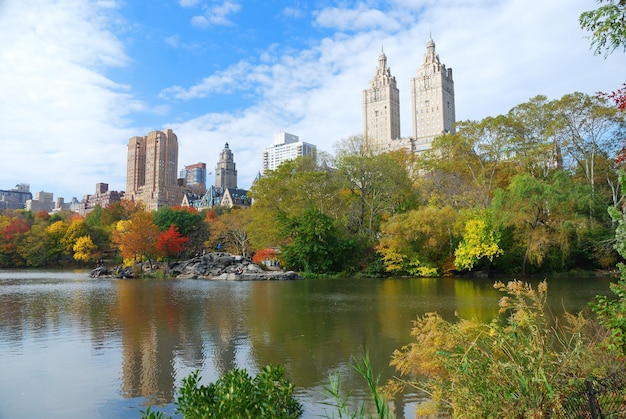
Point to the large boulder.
(224, 266)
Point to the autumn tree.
(137, 237)
(84, 249)
(230, 231)
(171, 243)
(480, 242)
(188, 222)
(420, 242)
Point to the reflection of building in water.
(149, 341)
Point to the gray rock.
(226, 267)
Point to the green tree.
(607, 25)
(544, 214)
(289, 190)
(313, 243)
(375, 186)
(33, 245)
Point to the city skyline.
(82, 77)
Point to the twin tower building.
(432, 105)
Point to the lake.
(74, 346)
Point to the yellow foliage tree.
(479, 242)
(84, 249)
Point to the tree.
(137, 236)
(374, 186)
(33, 245)
(84, 249)
(544, 214)
(607, 25)
(230, 230)
(313, 243)
(480, 241)
(588, 129)
(171, 243)
(420, 242)
(189, 223)
(290, 189)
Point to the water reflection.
(123, 344)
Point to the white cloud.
(358, 19)
(217, 15)
(62, 118)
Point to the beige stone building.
(152, 169)
(432, 100)
(381, 108)
(432, 103)
(225, 171)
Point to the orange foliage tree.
(137, 236)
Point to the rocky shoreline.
(213, 266)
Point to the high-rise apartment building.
(225, 172)
(195, 175)
(152, 168)
(432, 100)
(286, 147)
(381, 108)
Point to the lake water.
(73, 346)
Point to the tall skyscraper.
(381, 108)
(286, 147)
(432, 100)
(152, 168)
(225, 172)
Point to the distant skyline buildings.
(152, 160)
(286, 147)
(195, 175)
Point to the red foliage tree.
(264, 254)
(171, 242)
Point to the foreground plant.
(522, 366)
(237, 395)
(340, 401)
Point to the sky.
(78, 78)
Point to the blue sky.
(78, 78)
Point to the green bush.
(237, 395)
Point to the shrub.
(521, 366)
(237, 395)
